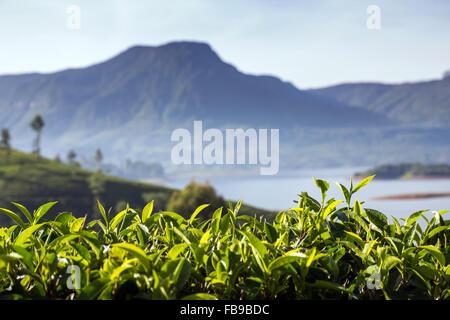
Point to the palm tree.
(98, 158)
(37, 124)
(5, 138)
(71, 156)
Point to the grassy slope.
(33, 181)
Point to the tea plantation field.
(319, 249)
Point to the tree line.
(96, 180)
(37, 124)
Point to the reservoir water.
(279, 191)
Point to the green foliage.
(97, 186)
(4, 143)
(316, 250)
(192, 196)
(37, 124)
(98, 157)
(71, 156)
(33, 180)
(97, 183)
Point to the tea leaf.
(377, 218)
(362, 183)
(42, 210)
(147, 211)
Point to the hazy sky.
(310, 43)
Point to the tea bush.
(320, 249)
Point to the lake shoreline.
(414, 196)
(442, 177)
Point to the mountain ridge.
(130, 103)
(170, 84)
(411, 103)
(201, 59)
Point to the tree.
(71, 156)
(194, 195)
(37, 124)
(98, 158)
(57, 159)
(161, 199)
(4, 143)
(5, 138)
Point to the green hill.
(32, 181)
(424, 103)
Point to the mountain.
(421, 103)
(171, 83)
(130, 104)
(149, 90)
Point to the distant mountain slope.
(33, 181)
(422, 103)
(129, 105)
(163, 87)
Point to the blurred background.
(90, 93)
